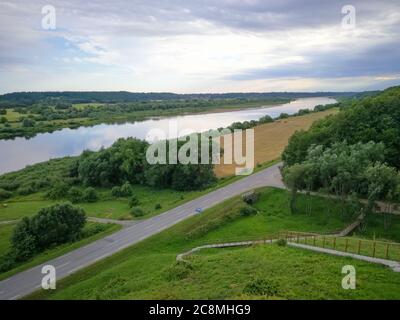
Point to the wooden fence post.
(387, 251)
(373, 252)
(323, 242)
(347, 244)
(334, 243)
(314, 241)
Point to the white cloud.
(184, 46)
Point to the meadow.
(148, 270)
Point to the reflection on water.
(16, 154)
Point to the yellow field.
(13, 116)
(270, 139)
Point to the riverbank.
(14, 125)
(67, 142)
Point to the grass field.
(88, 236)
(13, 116)
(108, 206)
(270, 139)
(149, 270)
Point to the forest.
(24, 99)
(353, 155)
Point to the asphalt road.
(30, 280)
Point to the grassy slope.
(6, 231)
(148, 269)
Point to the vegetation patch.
(178, 271)
(261, 287)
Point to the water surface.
(17, 153)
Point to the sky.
(186, 46)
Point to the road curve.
(30, 280)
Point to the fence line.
(372, 248)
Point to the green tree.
(51, 226)
(28, 123)
(90, 195)
(383, 186)
(58, 191)
(293, 179)
(75, 194)
(133, 201)
(137, 212)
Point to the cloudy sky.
(199, 46)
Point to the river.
(17, 153)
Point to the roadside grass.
(148, 270)
(377, 249)
(270, 139)
(108, 206)
(274, 215)
(6, 232)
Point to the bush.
(126, 190)
(3, 120)
(10, 186)
(178, 271)
(58, 191)
(23, 241)
(28, 123)
(250, 197)
(137, 212)
(157, 206)
(266, 119)
(261, 287)
(116, 192)
(281, 242)
(247, 211)
(4, 194)
(90, 195)
(51, 226)
(25, 190)
(284, 116)
(303, 112)
(75, 194)
(123, 191)
(92, 229)
(133, 201)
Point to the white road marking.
(63, 265)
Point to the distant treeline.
(24, 99)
